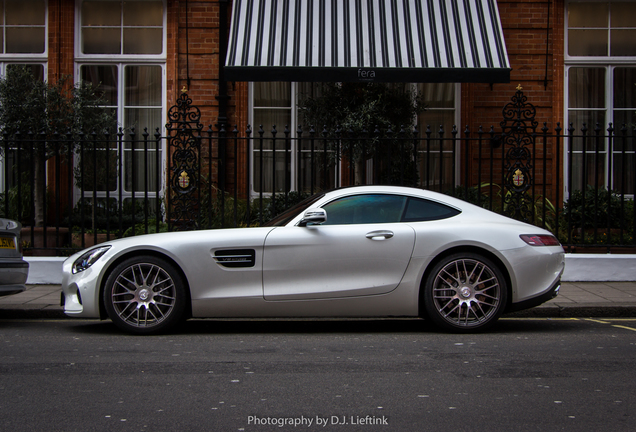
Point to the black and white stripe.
(396, 40)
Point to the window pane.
(586, 87)
(624, 122)
(143, 13)
(587, 42)
(143, 85)
(37, 70)
(435, 119)
(623, 42)
(137, 160)
(101, 41)
(143, 41)
(592, 176)
(25, 12)
(99, 167)
(622, 14)
(104, 78)
(590, 119)
(268, 119)
(272, 94)
(101, 13)
(438, 95)
(625, 88)
(141, 118)
(364, 209)
(25, 40)
(587, 14)
(423, 210)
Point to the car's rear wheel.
(465, 292)
(145, 295)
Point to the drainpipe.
(222, 97)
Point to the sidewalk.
(575, 299)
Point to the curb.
(580, 311)
(549, 311)
(32, 314)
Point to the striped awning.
(367, 40)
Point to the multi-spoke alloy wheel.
(465, 292)
(144, 295)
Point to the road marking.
(596, 321)
(624, 327)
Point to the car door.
(362, 249)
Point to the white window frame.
(457, 102)
(27, 57)
(24, 59)
(609, 63)
(121, 61)
(294, 125)
(3, 70)
(122, 58)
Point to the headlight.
(88, 259)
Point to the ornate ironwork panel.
(518, 139)
(184, 164)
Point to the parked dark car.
(13, 269)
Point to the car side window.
(365, 209)
(419, 210)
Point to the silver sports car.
(368, 251)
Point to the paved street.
(566, 365)
(527, 374)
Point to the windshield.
(284, 218)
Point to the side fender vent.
(236, 258)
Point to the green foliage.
(540, 210)
(41, 119)
(221, 211)
(19, 203)
(104, 216)
(598, 208)
(273, 206)
(472, 194)
(359, 107)
(30, 105)
(600, 217)
(140, 229)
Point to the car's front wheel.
(145, 295)
(465, 292)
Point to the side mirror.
(314, 216)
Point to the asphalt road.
(359, 375)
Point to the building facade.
(574, 59)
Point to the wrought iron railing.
(579, 184)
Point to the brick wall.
(526, 32)
(61, 39)
(525, 26)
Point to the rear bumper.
(536, 301)
(13, 276)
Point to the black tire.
(145, 295)
(464, 292)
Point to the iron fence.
(70, 192)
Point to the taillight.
(540, 239)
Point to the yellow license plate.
(7, 243)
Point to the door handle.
(380, 235)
